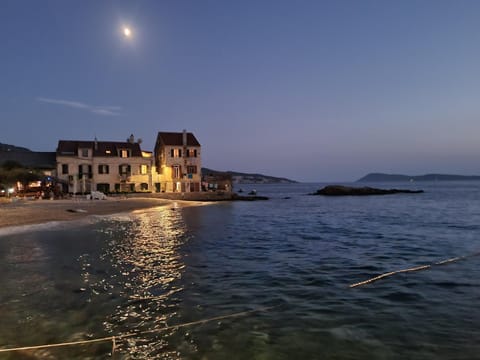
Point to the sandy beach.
(25, 212)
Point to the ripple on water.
(139, 273)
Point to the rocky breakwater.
(340, 190)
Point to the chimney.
(184, 137)
(131, 139)
(96, 144)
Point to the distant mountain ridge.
(237, 177)
(7, 147)
(245, 178)
(380, 177)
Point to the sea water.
(292, 258)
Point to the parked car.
(97, 195)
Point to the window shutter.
(171, 152)
(179, 152)
(195, 152)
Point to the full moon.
(127, 32)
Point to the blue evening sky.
(310, 90)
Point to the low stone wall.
(193, 196)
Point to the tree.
(11, 164)
(25, 177)
(9, 177)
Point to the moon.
(127, 32)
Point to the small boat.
(253, 192)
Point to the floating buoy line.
(416, 268)
(114, 339)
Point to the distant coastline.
(381, 177)
(246, 178)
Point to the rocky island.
(340, 190)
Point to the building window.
(64, 168)
(124, 153)
(192, 153)
(144, 186)
(84, 152)
(176, 153)
(191, 169)
(86, 170)
(124, 169)
(176, 171)
(117, 187)
(143, 169)
(103, 169)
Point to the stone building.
(178, 162)
(105, 166)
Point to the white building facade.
(106, 166)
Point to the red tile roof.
(70, 147)
(176, 139)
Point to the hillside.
(7, 147)
(237, 177)
(380, 177)
(245, 178)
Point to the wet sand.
(26, 212)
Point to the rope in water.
(416, 268)
(113, 339)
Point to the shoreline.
(31, 212)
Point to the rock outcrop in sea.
(340, 190)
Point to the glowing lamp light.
(127, 32)
(11, 190)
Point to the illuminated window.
(176, 172)
(124, 153)
(108, 152)
(176, 153)
(143, 169)
(192, 152)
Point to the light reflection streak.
(144, 254)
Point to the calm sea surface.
(141, 272)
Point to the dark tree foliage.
(9, 176)
(11, 164)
